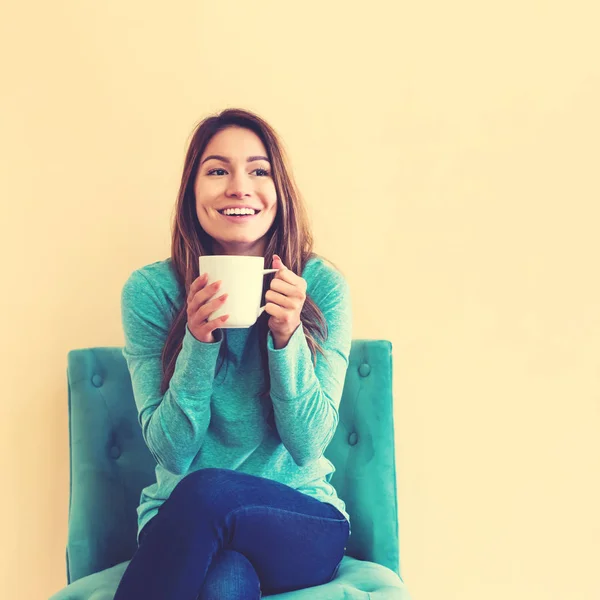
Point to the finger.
(197, 284)
(277, 262)
(287, 289)
(276, 311)
(210, 326)
(202, 296)
(280, 299)
(290, 277)
(209, 308)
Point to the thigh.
(217, 492)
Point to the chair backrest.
(110, 463)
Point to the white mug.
(242, 279)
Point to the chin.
(237, 241)
(242, 237)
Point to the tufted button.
(115, 452)
(364, 370)
(353, 438)
(97, 380)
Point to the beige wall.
(449, 155)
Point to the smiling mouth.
(238, 212)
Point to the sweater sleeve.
(173, 424)
(306, 397)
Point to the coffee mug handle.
(266, 272)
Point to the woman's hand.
(285, 300)
(200, 306)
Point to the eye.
(219, 172)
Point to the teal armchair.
(110, 464)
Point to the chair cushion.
(358, 579)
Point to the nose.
(238, 186)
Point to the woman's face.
(236, 200)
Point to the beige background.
(449, 154)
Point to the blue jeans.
(226, 535)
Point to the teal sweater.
(219, 418)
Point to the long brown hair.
(289, 237)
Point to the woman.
(237, 419)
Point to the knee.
(230, 576)
(201, 496)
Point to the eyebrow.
(226, 160)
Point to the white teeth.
(239, 211)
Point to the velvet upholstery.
(110, 464)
